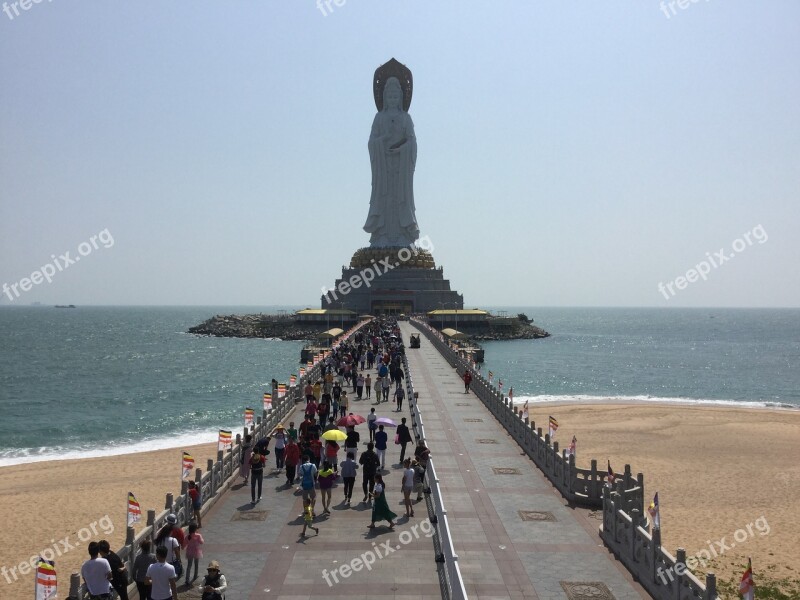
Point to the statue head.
(392, 94)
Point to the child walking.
(308, 518)
(194, 551)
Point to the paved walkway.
(263, 556)
(513, 532)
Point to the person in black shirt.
(119, 573)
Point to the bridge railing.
(219, 476)
(625, 528)
(450, 579)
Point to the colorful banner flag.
(553, 427)
(225, 439)
(310, 363)
(610, 478)
(572, 446)
(281, 390)
(249, 416)
(746, 586)
(134, 510)
(188, 465)
(302, 371)
(511, 395)
(500, 385)
(491, 376)
(654, 514)
(267, 401)
(46, 582)
(292, 379)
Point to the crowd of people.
(307, 459)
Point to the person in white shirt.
(408, 487)
(161, 578)
(96, 572)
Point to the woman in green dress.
(380, 507)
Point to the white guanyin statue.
(393, 155)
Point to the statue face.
(393, 97)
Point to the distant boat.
(65, 306)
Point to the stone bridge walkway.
(513, 532)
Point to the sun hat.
(172, 519)
(213, 565)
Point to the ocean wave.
(589, 399)
(18, 456)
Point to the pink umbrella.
(351, 420)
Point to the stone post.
(654, 551)
(680, 568)
(594, 490)
(74, 586)
(711, 587)
(169, 503)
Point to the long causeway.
(514, 535)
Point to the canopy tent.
(453, 334)
(331, 333)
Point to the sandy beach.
(56, 504)
(727, 478)
(717, 471)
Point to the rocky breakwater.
(503, 328)
(257, 326)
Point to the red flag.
(746, 586)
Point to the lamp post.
(441, 314)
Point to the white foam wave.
(20, 456)
(589, 399)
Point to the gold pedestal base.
(397, 257)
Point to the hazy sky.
(570, 153)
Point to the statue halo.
(393, 68)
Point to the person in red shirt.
(304, 427)
(291, 458)
(194, 496)
(308, 391)
(467, 381)
(311, 409)
(316, 449)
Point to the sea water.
(93, 381)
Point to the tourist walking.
(308, 391)
(343, 403)
(403, 436)
(323, 409)
(291, 458)
(349, 470)
(381, 438)
(368, 385)
(399, 394)
(144, 560)
(371, 426)
(214, 583)
(197, 502)
(166, 539)
(422, 453)
(419, 479)
(247, 448)
(161, 577)
(408, 486)
(332, 454)
(194, 552)
(369, 462)
(380, 507)
(96, 573)
(119, 572)
(351, 443)
(385, 385)
(308, 479)
(292, 431)
(360, 385)
(326, 478)
(256, 474)
(279, 435)
(308, 518)
(467, 381)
